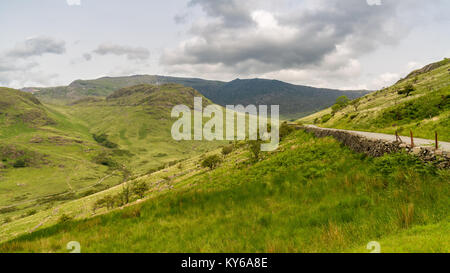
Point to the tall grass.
(313, 196)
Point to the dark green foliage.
(341, 102)
(107, 201)
(416, 110)
(326, 118)
(254, 147)
(285, 130)
(8, 209)
(227, 149)
(211, 162)
(20, 163)
(407, 90)
(139, 189)
(397, 162)
(102, 139)
(106, 160)
(64, 218)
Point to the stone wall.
(376, 148)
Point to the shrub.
(64, 218)
(102, 139)
(254, 147)
(406, 90)
(105, 160)
(7, 220)
(125, 195)
(326, 118)
(139, 189)
(341, 102)
(20, 163)
(31, 212)
(285, 130)
(227, 149)
(211, 162)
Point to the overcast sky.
(347, 44)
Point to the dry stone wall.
(376, 148)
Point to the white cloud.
(37, 46)
(132, 53)
(374, 2)
(412, 66)
(385, 80)
(74, 2)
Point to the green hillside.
(305, 197)
(420, 102)
(53, 154)
(295, 100)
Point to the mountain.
(294, 100)
(105, 86)
(420, 102)
(50, 154)
(17, 106)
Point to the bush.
(407, 90)
(326, 118)
(254, 146)
(105, 160)
(139, 189)
(20, 163)
(7, 220)
(31, 212)
(341, 102)
(64, 218)
(102, 139)
(227, 149)
(285, 130)
(211, 162)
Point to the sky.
(344, 44)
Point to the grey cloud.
(180, 18)
(132, 53)
(87, 56)
(236, 41)
(233, 13)
(37, 46)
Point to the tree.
(285, 130)
(254, 147)
(227, 149)
(341, 102)
(407, 90)
(140, 188)
(211, 162)
(125, 194)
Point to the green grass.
(63, 154)
(425, 111)
(306, 197)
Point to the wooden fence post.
(436, 140)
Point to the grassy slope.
(425, 111)
(308, 197)
(139, 123)
(54, 144)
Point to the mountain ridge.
(295, 100)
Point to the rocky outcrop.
(376, 148)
